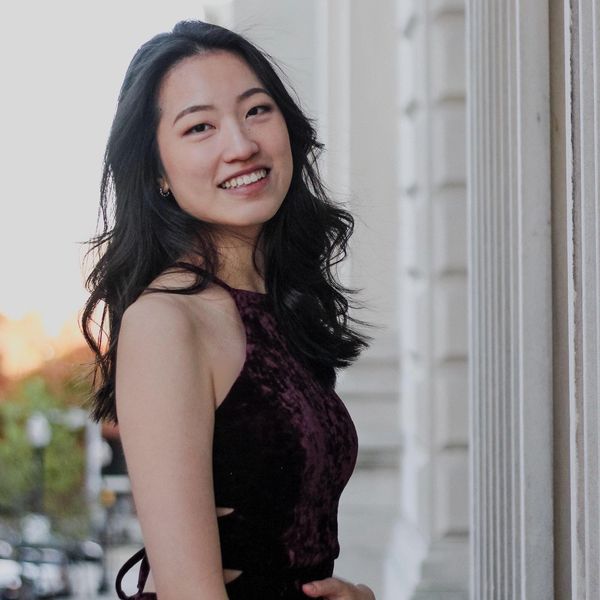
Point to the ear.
(163, 184)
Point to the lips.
(244, 172)
(248, 190)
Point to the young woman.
(226, 326)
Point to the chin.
(258, 216)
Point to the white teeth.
(244, 179)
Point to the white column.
(356, 107)
(355, 74)
(286, 29)
(584, 304)
(576, 170)
(428, 557)
(510, 300)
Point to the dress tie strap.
(142, 577)
(222, 283)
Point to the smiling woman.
(217, 156)
(226, 326)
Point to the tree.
(64, 459)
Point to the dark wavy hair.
(149, 234)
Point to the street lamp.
(39, 435)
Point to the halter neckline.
(229, 287)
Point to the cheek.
(279, 136)
(186, 168)
(282, 144)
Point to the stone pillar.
(428, 556)
(286, 29)
(510, 301)
(576, 233)
(356, 82)
(584, 292)
(355, 109)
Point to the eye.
(196, 128)
(265, 107)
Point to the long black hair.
(143, 234)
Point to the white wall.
(428, 557)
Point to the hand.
(334, 588)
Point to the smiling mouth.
(245, 180)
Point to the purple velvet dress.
(284, 448)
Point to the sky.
(62, 64)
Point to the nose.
(239, 144)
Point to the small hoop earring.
(163, 193)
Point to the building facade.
(464, 135)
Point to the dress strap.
(237, 291)
(222, 283)
(208, 274)
(142, 577)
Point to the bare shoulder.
(201, 306)
(159, 349)
(156, 312)
(160, 345)
(199, 334)
(193, 317)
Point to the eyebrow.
(199, 107)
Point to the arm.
(165, 408)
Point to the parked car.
(84, 550)
(48, 568)
(14, 585)
(88, 567)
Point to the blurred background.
(463, 135)
(67, 520)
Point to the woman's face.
(216, 123)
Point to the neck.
(236, 266)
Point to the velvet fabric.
(284, 448)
